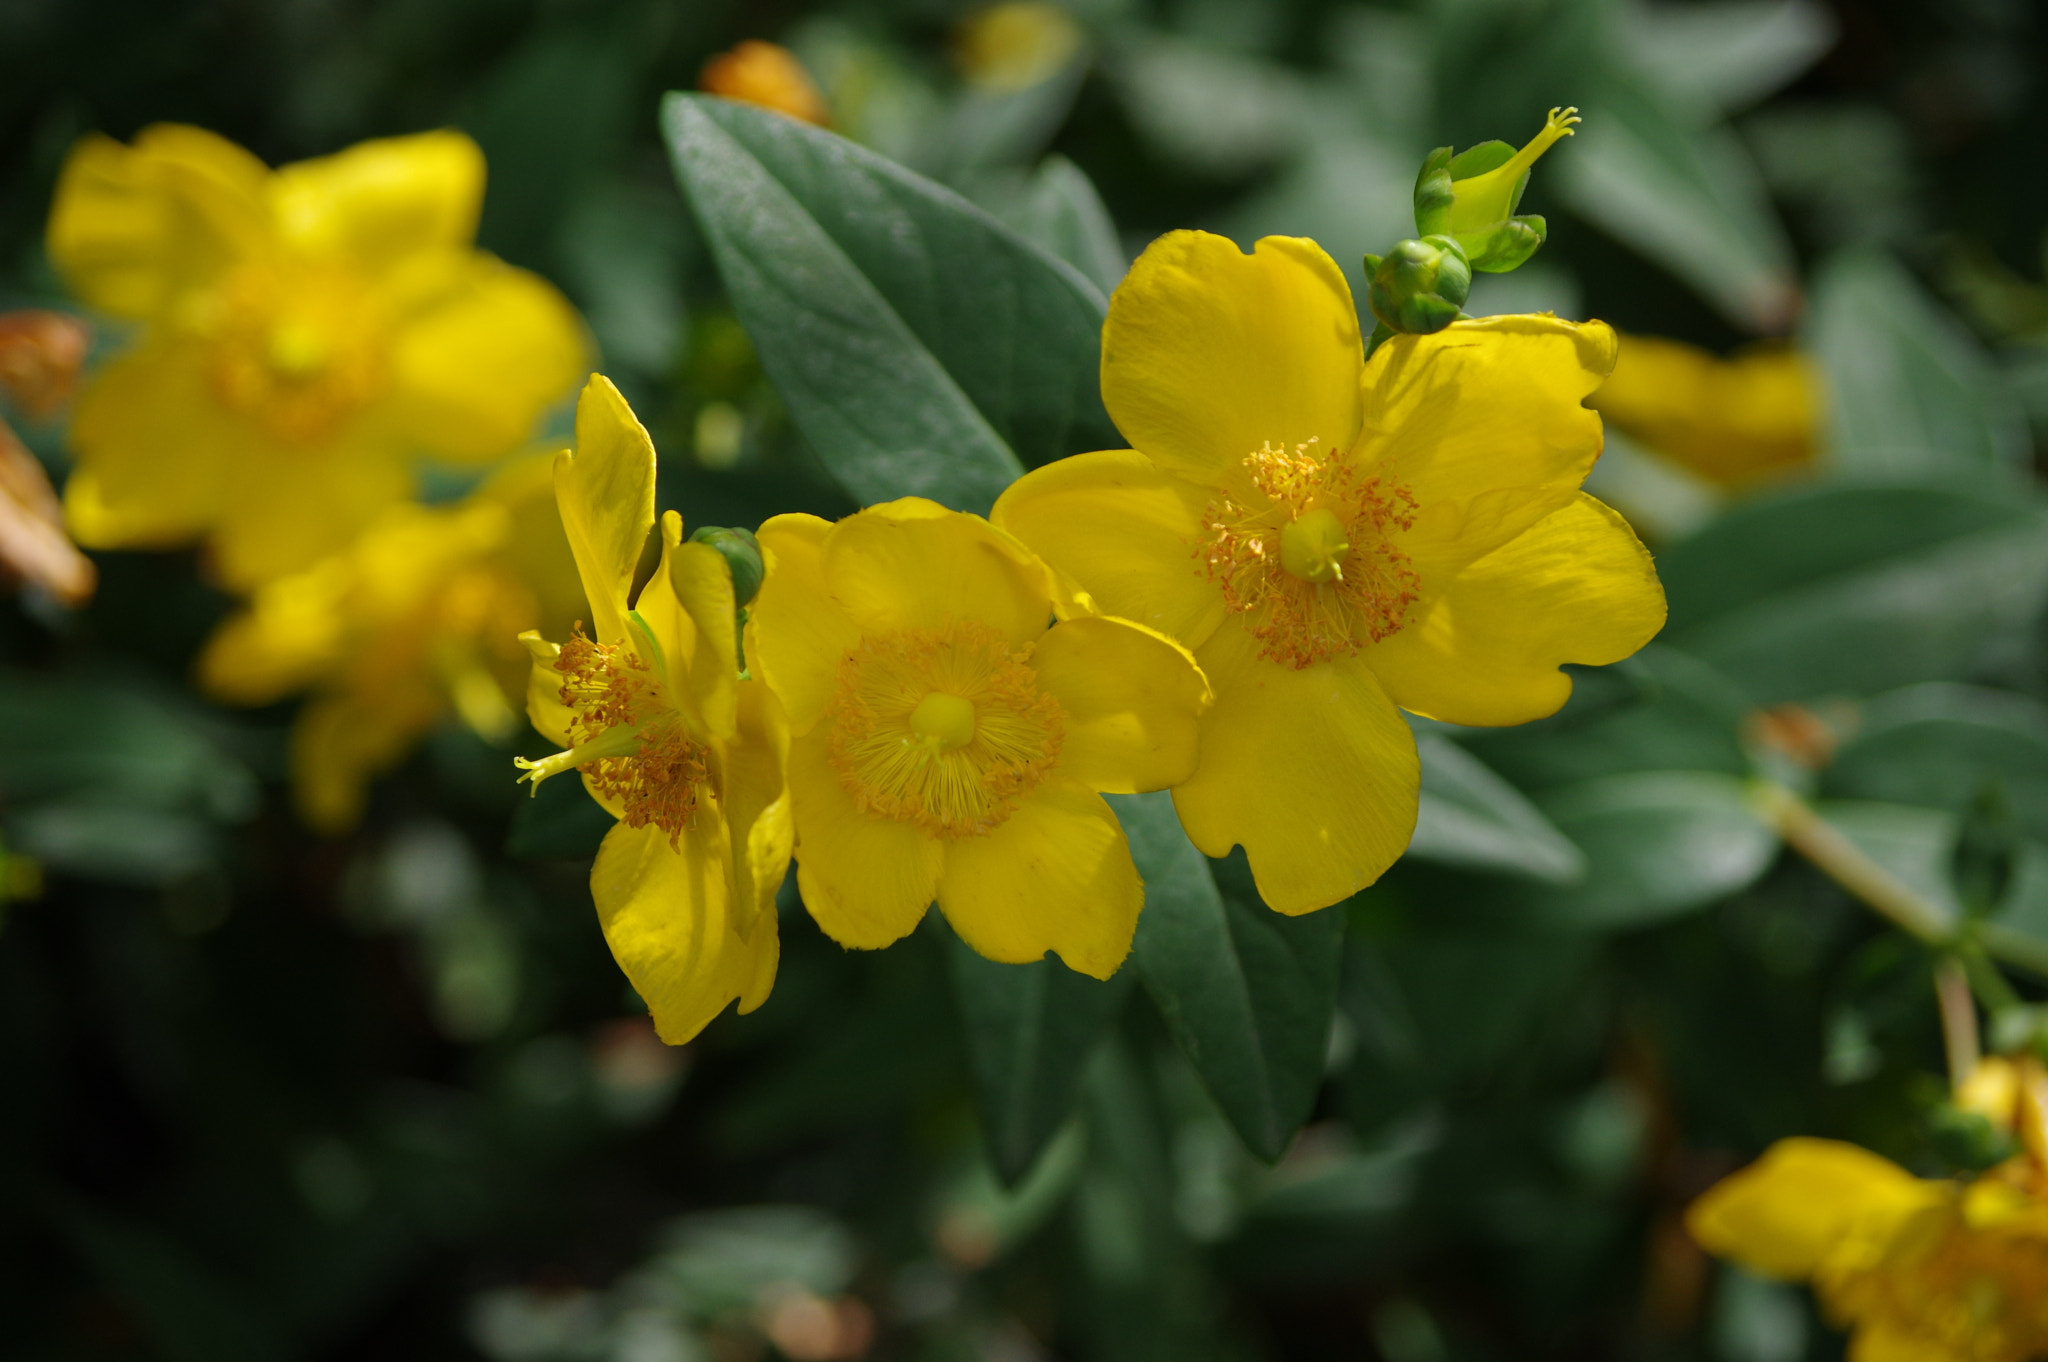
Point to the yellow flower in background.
(950, 736)
(686, 755)
(418, 618)
(1015, 45)
(1335, 539)
(768, 75)
(1734, 422)
(305, 333)
(1919, 1270)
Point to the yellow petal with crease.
(1209, 353)
(667, 915)
(796, 632)
(605, 488)
(703, 587)
(1782, 1216)
(1487, 414)
(1313, 772)
(1124, 532)
(757, 804)
(866, 880)
(1055, 876)
(1133, 701)
(1484, 644)
(911, 564)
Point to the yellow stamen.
(946, 728)
(1311, 559)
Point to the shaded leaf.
(1471, 817)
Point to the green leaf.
(1728, 54)
(1857, 588)
(1910, 393)
(1030, 1031)
(187, 1310)
(1915, 845)
(1057, 207)
(1248, 993)
(1940, 744)
(1471, 817)
(1657, 844)
(1687, 197)
(920, 346)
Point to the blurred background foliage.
(271, 1095)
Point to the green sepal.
(742, 554)
(1506, 246)
(1433, 193)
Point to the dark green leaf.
(1857, 588)
(189, 1312)
(1940, 745)
(1471, 817)
(1057, 207)
(920, 346)
(1030, 1031)
(1247, 992)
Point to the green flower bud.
(1419, 285)
(742, 553)
(1472, 196)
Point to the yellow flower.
(1015, 44)
(417, 617)
(1735, 422)
(687, 756)
(305, 333)
(1919, 1270)
(1335, 539)
(949, 735)
(768, 75)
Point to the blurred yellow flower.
(417, 618)
(1920, 1270)
(949, 736)
(1734, 422)
(1335, 538)
(768, 75)
(1015, 45)
(304, 334)
(687, 756)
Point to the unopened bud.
(742, 554)
(1419, 285)
(1472, 196)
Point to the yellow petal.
(338, 745)
(1735, 421)
(702, 583)
(1484, 644)
(757, 803)
(1781, 1216)
(383, 200)
(1881, 1343)
(605, 488)
(667, 914)
(1313, 772)
(796, 632)
(1209, 353)
(1122, 531)
(536, 549)
(151, 450)
(132, 227)
(283, 641)
(544, 708)
(912, 564)
(1484, 423)
(473, 370)
(866, 880)
(1133, 700)
(1055, 876)
(286, 509)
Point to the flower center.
(297, 351)
(1311, 562)
(627, 737)
(946, 728)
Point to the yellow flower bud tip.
(766, 74)
(1489, 198)
(1313, 546)
(1015, 45)
(943, 722)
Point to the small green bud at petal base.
(742, 553)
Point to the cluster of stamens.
(610, 689)
(945, 728)
(1362, 583)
